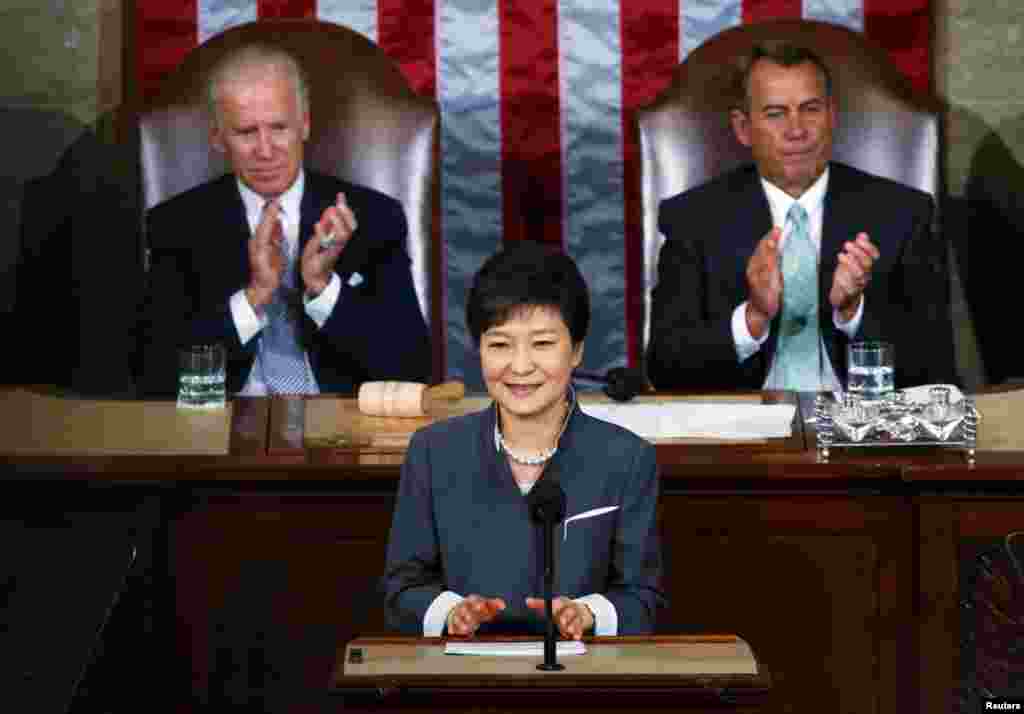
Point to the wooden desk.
(824, 568)
(673, 673)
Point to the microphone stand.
(550, 663)
(547, 507)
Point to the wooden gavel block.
(406, 399)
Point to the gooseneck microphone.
(546, 501)
(620, 383)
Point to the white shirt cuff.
(746, 344)
(606, 618)
(849, 328)
(436, 615)
(247, 322)
(320, 307)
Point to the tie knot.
(797, 215)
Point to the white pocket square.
(586, 514)
(355, 280)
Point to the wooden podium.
(689, 673)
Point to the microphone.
(620, 383)
(546, 501)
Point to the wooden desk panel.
(247, 447)
(956, 506)
(267, 584)
(818, 584)
(289, 436)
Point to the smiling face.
(527, 363)
(261, 130)
(788, 124)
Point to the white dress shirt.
(813, 201)
(247, 322)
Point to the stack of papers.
(513, 649)
(694, 420)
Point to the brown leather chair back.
(686, 138)
(367, 125)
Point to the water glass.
(201, 377)
(870, 370)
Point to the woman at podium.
(463, 554)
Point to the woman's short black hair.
(524, 274)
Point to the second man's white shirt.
(247, 322)
(813, 201)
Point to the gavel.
(406, 399)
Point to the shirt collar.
(812, 200)
(291, 199)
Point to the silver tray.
(913, 425)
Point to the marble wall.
(49, 55)
(979, 58)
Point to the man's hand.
(852, 275)
(764, 284)
(466, 617)
(337, 224)
(572, 618)
(266, 258)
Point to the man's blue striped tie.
(282, 358)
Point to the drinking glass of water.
(870, 370)
(201, 377)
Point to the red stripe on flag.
(531, 157)
(405, 31)
(165, 32)
(650, 54)
(761, 10)
(272, 9)
(904, 29)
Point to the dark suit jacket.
(711, 232)
(199, 258)
(461, 524)
(79, 275)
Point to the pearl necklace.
(536, 460)
(544, 456)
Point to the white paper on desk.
(513, 649)
(695, 420)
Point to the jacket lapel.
(751, 220)
(835, 230)
(309, 210)
(748, 217)
(839, 224)
(228, 212)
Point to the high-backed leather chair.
(686, 139)
(367, 127)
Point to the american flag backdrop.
(536, 99)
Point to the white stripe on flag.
(593, 219)
(848, 13)
(700, 20)
(359, 15)
(469, 91)
(215, 16)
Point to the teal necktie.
(797, 361)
